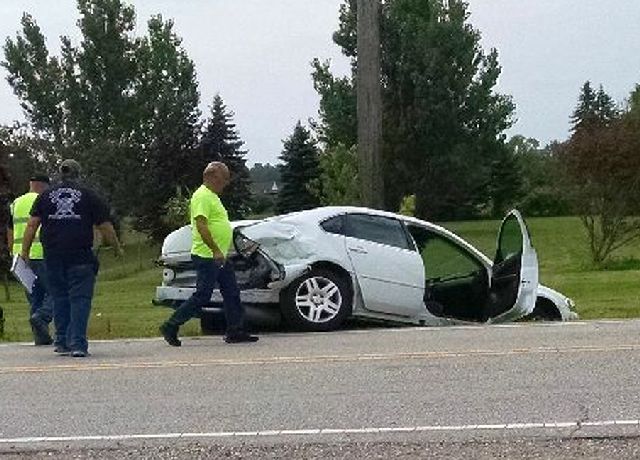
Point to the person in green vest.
(41, 311)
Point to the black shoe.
(170, 334)
(61, 350)
(40, 331)
(38, 341)
(240, 337)
(79, 354)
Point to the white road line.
(328, 431)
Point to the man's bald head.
(215, 167)
(216, 176)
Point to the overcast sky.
(256, 54)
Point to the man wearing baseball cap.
(40, 301)
(67, 213)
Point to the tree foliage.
(299, 168)
(603, 167)
(264, 173)
(220, 142)
(541, 190)
(443, 123)
(594, 110)
(115, 102)
(338, 183)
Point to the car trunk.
(253, 269)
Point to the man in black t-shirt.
(67, 213)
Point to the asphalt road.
(510, 391)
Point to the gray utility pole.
(370, 104)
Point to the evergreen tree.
(606, 109)
(299, 169)
(595, 108)
(584, 114)
(220, 142)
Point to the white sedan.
(316, 268)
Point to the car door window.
(442, 258)
(378, 229)
(510, 243)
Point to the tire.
(544, 310)
(317, 301)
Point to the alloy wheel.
(318, 299)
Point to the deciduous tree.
(126, 107)
(603, 167)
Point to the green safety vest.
(21, 211)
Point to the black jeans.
(209, 273)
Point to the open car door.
(514, 276)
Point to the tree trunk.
(370, 104)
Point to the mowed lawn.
(122, 305)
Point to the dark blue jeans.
(40, 299)
(209, 273)
(71, 285)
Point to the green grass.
(122, 304)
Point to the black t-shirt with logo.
(68, 212)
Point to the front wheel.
(318, 301)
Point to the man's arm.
(108, 233)
(203, 229)
(29, 235)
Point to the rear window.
(334, 225)
(378, 229)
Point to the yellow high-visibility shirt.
(207, 204)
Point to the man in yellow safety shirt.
(212, 235)
(40, 300)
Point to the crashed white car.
(317, 268)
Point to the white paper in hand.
(23, 273)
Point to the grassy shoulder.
(122, 304)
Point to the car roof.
(325, 212)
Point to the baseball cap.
(70, 168)
(39, 177)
